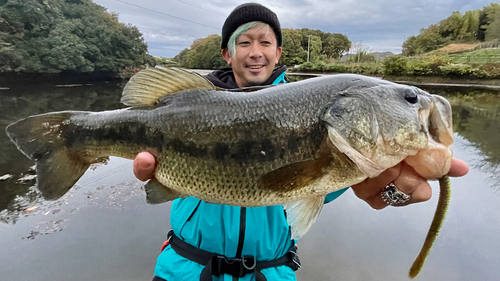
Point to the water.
(104, 230)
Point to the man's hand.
(406, 179)
(144, 166)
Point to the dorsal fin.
(152, 83)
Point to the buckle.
(295, 261)
(170, 234)
(237, 267)
(250, 267)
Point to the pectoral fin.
(302, 214)
(157, 193)
(296, 175)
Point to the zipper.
(241, 236)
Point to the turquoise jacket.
(261, 232)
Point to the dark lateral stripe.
(126, 133)
(243, 151)
(264, 150)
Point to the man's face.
(256, 55)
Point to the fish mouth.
(433, 161)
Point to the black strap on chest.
(238, 267)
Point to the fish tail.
(41, 138)
(437, 222)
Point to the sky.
(169, 26)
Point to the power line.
(202, 7)
(151, 10)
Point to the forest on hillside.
(79, 36)
(471, 27)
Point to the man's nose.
(255, 50)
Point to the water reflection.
(16, 170)
(476, 117)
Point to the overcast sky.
(169, 26)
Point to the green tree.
(305, 32)
(450, 26)
(493, 29)
(486, 17)
(181, 58)
(470, 25)
(333, 45)
(429, 39)
(53, 36)
(458, 27)
(292, 53)
(336, 45)
(205, 53)
(410, 46)
(315, 48)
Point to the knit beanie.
(246, 13)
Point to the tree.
(53, 36)
(205, 53)
(458, 27)
(410, 46)
(292, 53)
(429, 39)
(315, 48)
(181, 58)
(333, 45)
(493, 29)
(305, 32)
(336, 45)
(470, 25)
(486, 18)
(450, 26)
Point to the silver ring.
(393, 196)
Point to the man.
(237, 243)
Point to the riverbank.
(14, 80)
(442, 80)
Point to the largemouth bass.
(290, 144)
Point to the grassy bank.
(482, 64)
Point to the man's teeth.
(255, 66)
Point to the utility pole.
(359, 50)
(308, 40)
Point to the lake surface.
(103, 229)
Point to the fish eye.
(411, 96)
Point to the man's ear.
(278, 54)
(226, 56)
